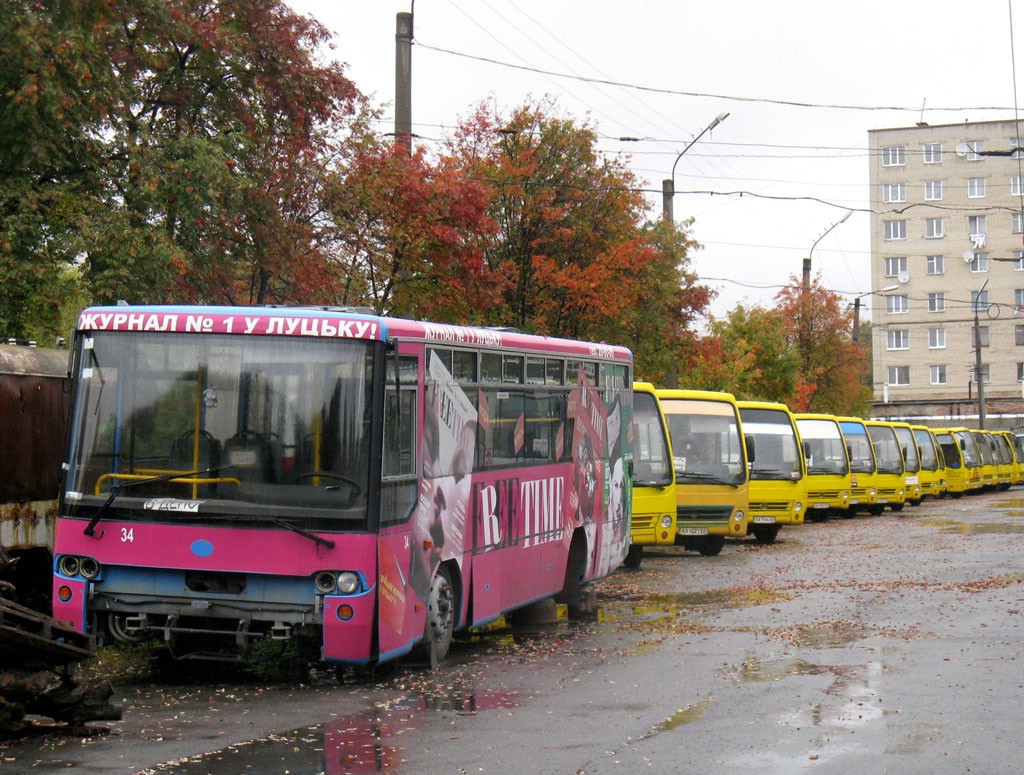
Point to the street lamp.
(856, 305)
(668, 185)
(810, 255)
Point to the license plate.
(764, 520)
(882, 500)
(693, 531)
(820, 506)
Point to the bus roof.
(328, 322)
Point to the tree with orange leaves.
(572, 254)
(832, 365)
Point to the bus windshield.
(778, 456)
(706, 443)
(651, 464)
(176, 427)
(862, 458)
(824, 446)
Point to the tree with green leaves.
(165, 150)
(756, 361)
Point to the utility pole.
(978, 377)
(403, 80)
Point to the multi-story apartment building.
(947, 245)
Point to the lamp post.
(810, 254)
(856, 306)
(668, 185)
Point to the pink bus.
(356, 484)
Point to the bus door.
(405, 558)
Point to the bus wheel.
(440, 616)
(765, 534)
(896, 506)
(712, 546)
(580, 601)
(634, 556)
(876, 509)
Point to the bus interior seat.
(183, 450)
(250, 456)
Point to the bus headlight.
(88, 567)
(666, 520)
(348, 582)
(798, 507)
(68, 565)
(325, 582)
(739, 515)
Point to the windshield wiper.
(115, 490)
(302, 532)
(770, 472)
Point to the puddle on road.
(965, 527)
(692, 712)
(755, 670)
(357, 743)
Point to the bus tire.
(765, 534)
(634, 556)
(896, 506)
(876, 509)
(440, 624)
(711, 546)
(575, 572)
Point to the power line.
(711, 95)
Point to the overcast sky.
(800, 168)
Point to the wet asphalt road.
(875, 644)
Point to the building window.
(1017, 223)
(936, 264)
(1020, 371)
(986, 374)
(937, 302)
(899, 375)
(932, 153)
(1018, 260)
(975, 188)
(936, 338)
(894, 267)
(1018, 335)
(937, 374)
(932, 190)
(1018, 298)
(975, 149)
(1015, 185)
(895, 230)
(1015, 142)
(894, 156)
(979, 301)
(980, 262)
(894, 192)
(933, 228)
(979, 335)
(896, 304)
(898, 339)
(977, 228)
